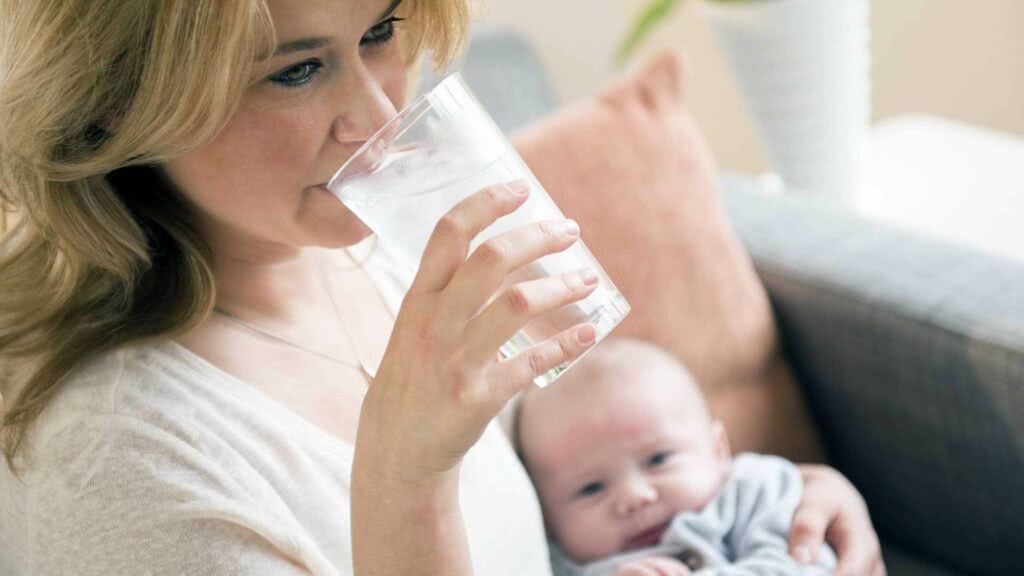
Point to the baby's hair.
(610, 357)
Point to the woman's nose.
(635, 494)
(365, 108)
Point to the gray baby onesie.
(743, 531)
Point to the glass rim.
(417, 104)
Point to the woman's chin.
(340, 236)
(331, 223)
(356, 234)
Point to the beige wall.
(952, 58)
(963, 60)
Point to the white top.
(151, 460)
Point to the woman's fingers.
(879, 568)
(517, 305)
(515, 373)
(488, 267)
(449, 243)
(834, 512)
(808, 530)
(857, 554)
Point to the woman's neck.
(261, 279)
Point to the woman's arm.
(440, 382)
(402, 528)
(832, 510)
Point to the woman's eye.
(381, 32)
(590, 489)
(658, 459)
(297, 75)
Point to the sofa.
(908, 351)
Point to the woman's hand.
(832, 510)
(441, 381)
(653, 566)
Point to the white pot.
(802, 70)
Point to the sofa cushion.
(632, 168)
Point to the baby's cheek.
(693, 490)
(585, 536)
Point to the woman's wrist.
(407, 528)
(405, 522)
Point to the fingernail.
(586, 334)
(589, 277)
(803, 554)
(571, 228)
(519, 187)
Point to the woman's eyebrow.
(304, 44)
(301, 45)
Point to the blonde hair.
(93, 95)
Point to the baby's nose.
(635, 494)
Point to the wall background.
(961, 60)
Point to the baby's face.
(613, 467)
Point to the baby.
(635, 477)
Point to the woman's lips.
(647, 538)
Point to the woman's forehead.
(295, 19)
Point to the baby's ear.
(723, 452)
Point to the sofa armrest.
(911, 355)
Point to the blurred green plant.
(654, 13)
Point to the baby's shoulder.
(750, 464)
(762, 478)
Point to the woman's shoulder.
(145, 399)
(122, 468)
(160, 402)
(130, 382)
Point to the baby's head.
(619, 445)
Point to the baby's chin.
(585, 550)
(646, 539)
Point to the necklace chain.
(334, 305)
(267, 334)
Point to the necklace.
(280, 339)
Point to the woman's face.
(337, 76)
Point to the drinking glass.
(437, 151)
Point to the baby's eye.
(590, 489)
(657, 459)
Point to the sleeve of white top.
(123, 497)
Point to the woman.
(188, 357)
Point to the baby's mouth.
(647, 538)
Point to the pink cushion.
(632, 168)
